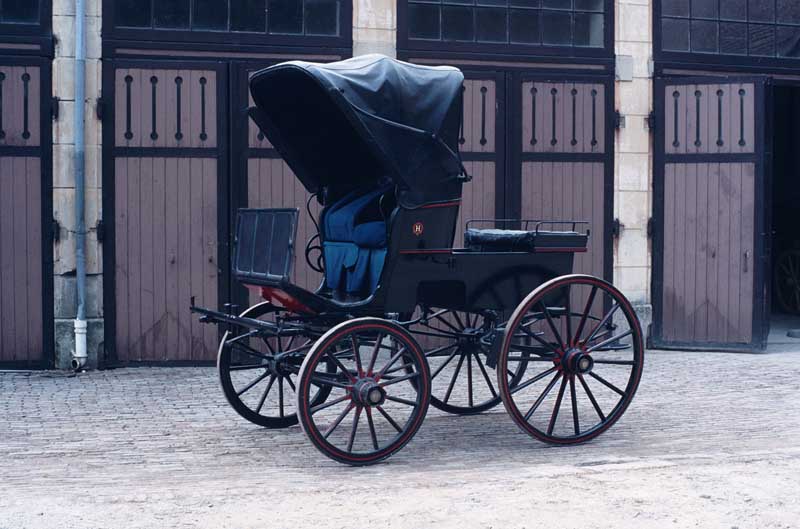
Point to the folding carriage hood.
(365, 121)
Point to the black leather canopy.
(365, 121)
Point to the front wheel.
(583, 345)
(379, 391)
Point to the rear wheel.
(379, 391)
(583, 344)
(258, 375)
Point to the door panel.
(166, 210)
(709, 252)
(25, 276)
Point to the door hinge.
(619, 120)
(54, 108)
(56, 230)
(100, 108)
(100, 229)
(651, 121)
(616, 228)
(650, 228)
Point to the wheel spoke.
(610, 341)
(391, 361)
(390, 381)
(280, 395)
(341, 366)
(324, 405)
(264, 395)
(575, 420)
(338, 420)
(403, 367)
(485, 375)
(353, 430)
(374, 357)
(401, 401)
(469, 380)
(592, 399)
(439, 369)
(357, 355)
(586, 311)
(253, 383)
(557, 407)
(453, 379)
(291, 384)
(615, 362)
(568, 317)
(453, 327)
(533, 380)
(371, 424)
(606, 383)
(239, 347)
(459, 322)
(538, 338)
(552, 325)
(324, 381)
(388, 418)
(248, 367)
(434, 353)
(603, 322)
(541, 398)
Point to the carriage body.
(375, 141)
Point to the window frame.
(736, 62)
(407, 44)
(228, 39)
(44, 27)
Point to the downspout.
(80, 355)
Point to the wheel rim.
(259, 376)
(585, 356)
(456, 346)
(379, 392)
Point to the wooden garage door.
(22, 255)
(166, 210)
(709, 215)
(564, 160)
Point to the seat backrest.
(341, 218)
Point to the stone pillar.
(375, 27)
(65, 290)
(633, 150)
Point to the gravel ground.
(711, 440)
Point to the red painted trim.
(442, 205)
(425, 252)
(278, 297)
(561, 250)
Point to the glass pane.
(589, 5)
(589, 30)
(788, 41)
(525, 3)
(761, 39)
(210, 14)
(489, 3)
(423, 21)
(674, 34)
(248, 15)
(733, 10)
(557, 4)
(171, 14)
(525, 26)
(132, 13)
(322, 17)
(733, 38)
(21, 11)
(677, 8)
(704, 8)
(704, 36)
(285, 16)
(789, 11)
(556, 28)
(490, 25)
(457, 23)
(761, 10)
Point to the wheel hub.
(367, 392)
(577, 361)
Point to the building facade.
(570, 112)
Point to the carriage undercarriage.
(402, 319)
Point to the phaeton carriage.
(402, 319)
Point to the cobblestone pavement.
(711, 440)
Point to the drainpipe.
(80, 355)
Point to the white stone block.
(634, 23)
(634, 208)
(64, 31)
(633, 248)
(632, 171)
(374, 14)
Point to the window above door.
(534, 27)
(737, 31)
(24, 17)
(261, 22)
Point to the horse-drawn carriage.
(402, 319)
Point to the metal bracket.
(54, 108)
(619, 120)
(100, 229)
(56, 227)
(651, 121)
(616, 228)
(100, 108)
(650, 228)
